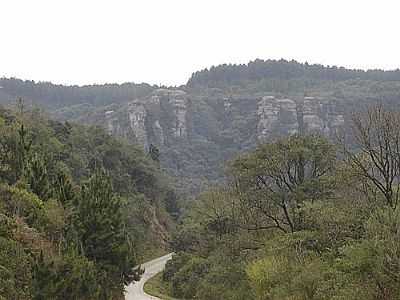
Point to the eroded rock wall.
(279, 117)
(196, 134)
(137, 118)
(162, 118)
(156, 119)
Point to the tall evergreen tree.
(63, 189)
(37, 177)
(154, 153)
(102, 233)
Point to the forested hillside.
(69, 99)
(298, 218)
(221, 112)
(260, 70)
(79, 209)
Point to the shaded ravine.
(135, 290)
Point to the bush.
(15, 275)
(185, 282)
(224, 281)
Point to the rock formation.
(179, 103)
(322, 116)
(195, 134)
(280, 117)
(158, 133)
(137, 116)
(276, 117)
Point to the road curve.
(134, 291)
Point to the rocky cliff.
(307, 115)
(196, 134)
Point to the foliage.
(376, 135)
(58, 96)
(274, 181)
(185, 282)
(100, 228)
(77, 208)
(155, 286)
(345, 242)
(15, 263)
(229, 74)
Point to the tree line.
(233, 74)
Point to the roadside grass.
(156, 287)
(151, 253)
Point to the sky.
(164, 41)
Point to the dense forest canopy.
(231, 74)
(55, 96)
(298, 218)
(79, 209)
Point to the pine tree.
(37, 177)
(43, 279)
(101, 230)
(154, 153)
(23, 143)
(63, 189)
(72, 277)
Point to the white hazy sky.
(164, 41)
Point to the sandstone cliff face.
(178, 100)
(196, 134)
(159, 133)
(277, 117)
(322, 116)
(137, 117)
(156, 119)
(164, 119)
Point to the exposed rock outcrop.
(196, 134)
(158, 133)
(322, 116)
(178, 101)
(169, 121)
(137, 117)
(279, 117)
(227, 104)
(168, 111)
(276, 117)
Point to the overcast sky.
(164, 41)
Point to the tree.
(73, 277)
(15, 148)
(102, 234)
(171, 203)
(273, 181)
(154, 153)
(15, 264)
(24, 142)
(63, 188)
(376, 135)
(37, 177)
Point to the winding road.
(135, 290)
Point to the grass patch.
(157, 287)
(151, 252)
